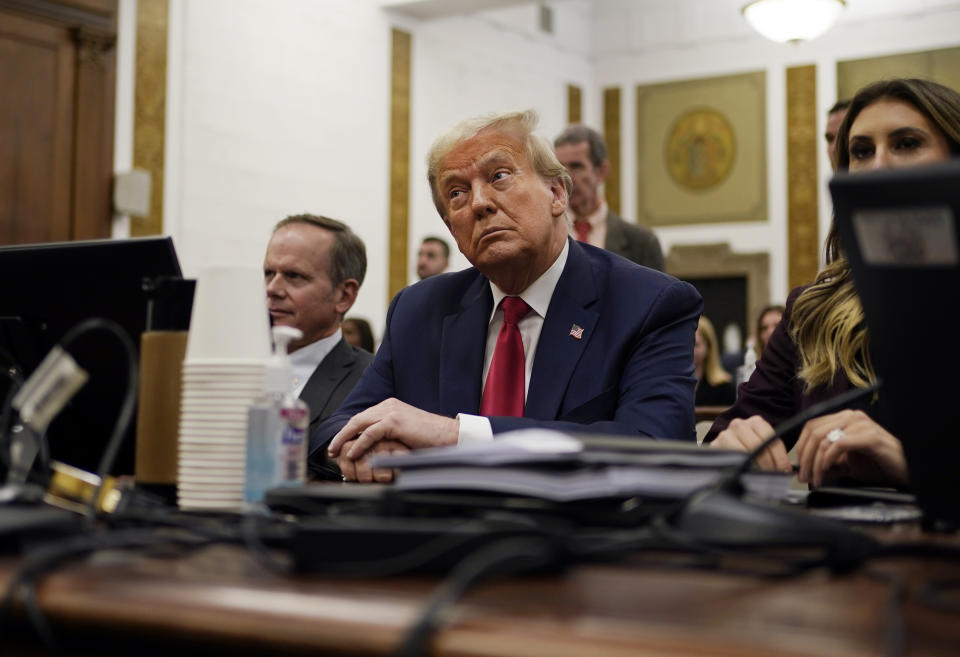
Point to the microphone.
(718, 516)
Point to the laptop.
(899, 230)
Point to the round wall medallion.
(700, 149)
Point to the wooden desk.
(221, 601)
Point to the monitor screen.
(51, 288)
(900, 231)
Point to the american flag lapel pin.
(576, 332)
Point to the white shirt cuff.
(474, 429)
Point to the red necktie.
(504, 391)
(583, 230)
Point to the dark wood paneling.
(36, 128)
(57, 70)
(93, 158)
(96, 14)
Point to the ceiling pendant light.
(792, 20)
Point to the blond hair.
(829, 330)
(713, 372)
(520, 124)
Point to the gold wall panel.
(803, 240)
(150, 99)
(611, 135)
(942, 65)
(574, 104)
(399, 161)
(688, 172)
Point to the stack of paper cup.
(223, 373)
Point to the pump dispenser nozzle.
(279, 370)
(282, 335)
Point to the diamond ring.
(836, 434)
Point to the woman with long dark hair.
(821, 346)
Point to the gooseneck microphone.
(717, 516)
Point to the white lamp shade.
(792, 20)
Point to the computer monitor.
(50, 288)
(899, 230)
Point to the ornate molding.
(803, 239)
(93, 47)
(100, 14)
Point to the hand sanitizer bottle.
(295, 422)
(276, 427)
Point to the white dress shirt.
(598, 225)
(306, 359)
(475, 428)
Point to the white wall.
(282, 106)
(276, 108)
(123, 105)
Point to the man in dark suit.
(542, 331)
(584, 154)
(313, 268)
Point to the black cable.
(48, 556)
(776, 566)
(129, 399)
(38, 620)
(458, 536)
(504, 557)
(16, 382)
(8, 404)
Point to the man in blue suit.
(607, 345)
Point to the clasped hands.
(861, 449)
(390, 427)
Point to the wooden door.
(57, 76)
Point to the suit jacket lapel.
(616, 239)
(462, 347)
(324, 380)
(558, 351)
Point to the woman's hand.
(850, 444)
(747, 435)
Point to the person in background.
(536, 334)
(767, 320)
(714, 386)
(313, 270)
(357, 333)
(584, 154)
(821, 346)
(835, 117)
(433, 257)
